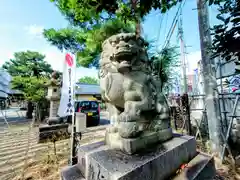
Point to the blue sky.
(22, 23)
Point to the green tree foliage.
(87, 12)
(164, 66)
(33, 87)
(88, 80)
(70, 39)
(84, 13)
(26, 67)
(26, 64)
(88, 30)
(226, 36)
(86, 43)
(30, 73)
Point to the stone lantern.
(53, 95)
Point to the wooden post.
(186, 113)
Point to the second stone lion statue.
(134, 100)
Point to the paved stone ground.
(19, 148)
(16, 118)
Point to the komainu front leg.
(162, 120)
(129, 120)
(113, 117)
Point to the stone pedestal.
(54, 97)
(131, 146)
(54, 104)
(97, 161)
(53, 110)
(57, 132)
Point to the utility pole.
(183, 59)
(209, 78)
(184, 97)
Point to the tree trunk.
(29, 110)
(138, 21)
(37, 113)
(40, 111)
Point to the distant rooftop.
(91, 89)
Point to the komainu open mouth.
(123, 56)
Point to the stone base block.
(131, 146)
(97, 161)
(53, 132)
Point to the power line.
(173, 25)
(167, 42)
(160, 25)
(165, 25)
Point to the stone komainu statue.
(134, 101)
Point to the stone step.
(200, 167)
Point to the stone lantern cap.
(54, 81)
(53, 87)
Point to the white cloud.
(5, 55)
(34, 30)
(54, 57)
